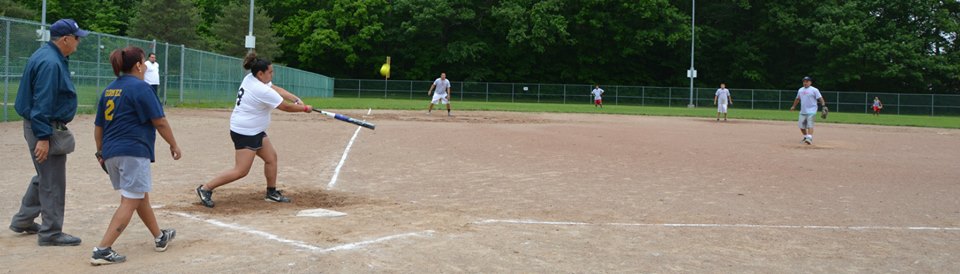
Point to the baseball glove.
(102, 162)
(824, 113)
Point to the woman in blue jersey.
(129, 116)
(256, 98)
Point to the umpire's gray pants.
(45, 194)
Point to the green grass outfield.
(704, 111)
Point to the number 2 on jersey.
(108, 113)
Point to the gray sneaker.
(166, 236)
(276, 196)
(206, 196)
(106, 256)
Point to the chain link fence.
(187, 76)
(843, 101)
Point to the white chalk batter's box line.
(300, 244)
(753, 226)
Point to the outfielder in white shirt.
(256, 98)
(597, 99)
(442, 96)
(721, 99)
(152, 76)
(808, 97)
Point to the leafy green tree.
(173, 21)
(232, 26)
(337, 39)
(10, 8)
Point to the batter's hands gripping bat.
(347, 119)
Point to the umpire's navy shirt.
(46, 93)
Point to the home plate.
(319, 212)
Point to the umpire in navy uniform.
(47, 99)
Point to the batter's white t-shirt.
(808, 99)
(722, 96)
(255, 100)
(152, 76)
(441, 86)
(596, 93)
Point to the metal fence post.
(182, 61)
(932, 105)
(513, 87)
(616, 95)
(898, 103)
(411, 89)
(538, 92)
(358, 87)
(752, 98)
(838, 103)
(385, 83)
(461, 90)
(166, 55)
(99, 51)
(670, 97)
(643, 96)
(6, 71)
(487, 93)
(564, 93)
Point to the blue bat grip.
(341, 117)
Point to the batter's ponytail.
(255, 64)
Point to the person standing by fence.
(152, 76)
(877, 106)
(597, 98)
(442, 94)
(721, 99)
(47, 101)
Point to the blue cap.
(65, 27)
(807, 78)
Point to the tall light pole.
(692, 73)
(250, 41)
(43, 35)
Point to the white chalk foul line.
(301, 244)
(247, 230)
(828, 227)
(356, 245)
(336, 172)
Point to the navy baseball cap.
(67, 27)
(807, 78)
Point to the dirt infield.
(524, 192)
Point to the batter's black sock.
(271, 190)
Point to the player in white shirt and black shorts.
(442, 96)
(721, 99)
(808, 97)
(256, 98)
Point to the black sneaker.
(276, 196)
(62, 239)
(166, 236)
(206, 196)
(106, 256)
(30, 229)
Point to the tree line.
(864, 45)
